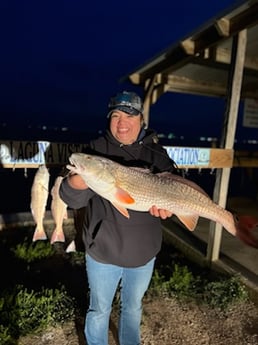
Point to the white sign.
(250, 118)
(38, 152)
(189, 155)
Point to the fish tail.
(244, 233)
(39, 234)
(57, 236)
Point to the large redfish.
(39, 196)
(137, 189)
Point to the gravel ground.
(169, 322)
(166, 321)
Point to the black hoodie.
(109, 237)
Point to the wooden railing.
(26, 154)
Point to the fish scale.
(164, 192)
(137, 189)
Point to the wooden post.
(228, 136)
(147, 100)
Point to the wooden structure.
(219, 60)
(31, 154)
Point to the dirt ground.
(165, 321)
(169, 322)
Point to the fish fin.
(39, 234)
(142, 170)
(57, 236)
(189, 221)
(165, 174)
(123, 196)
(121, 209)
(66, 215)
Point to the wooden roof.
(200, 63)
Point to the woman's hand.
(76, 182)
(157, 212)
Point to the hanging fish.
(39, 196)
(59, 212)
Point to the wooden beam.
(26, 154)
(200, 157)
(244, 19)
(228, 137)
(223, 27)
(194, 86)
(173, 59)
(147, 99)
(219, 59)
(245, 162)
(182, 84)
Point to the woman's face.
(125, 127)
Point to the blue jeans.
(103, 282)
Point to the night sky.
(62, 60)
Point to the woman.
(120, 252)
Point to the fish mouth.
(76, 164)
(72, 161)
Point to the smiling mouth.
(123, 130)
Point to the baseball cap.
(126, 101)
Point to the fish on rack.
(59, 212)
(39, 197)
(136, 189)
